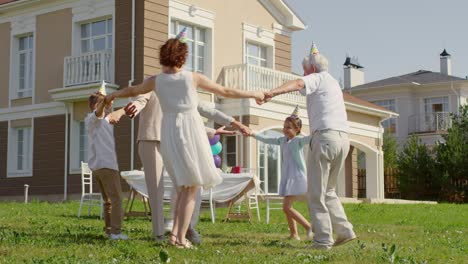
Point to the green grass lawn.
(51, 233)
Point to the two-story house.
(423, 99)
(56, 52)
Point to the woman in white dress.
(185, 148)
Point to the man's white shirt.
(325, 103)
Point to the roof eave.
(284, 14)
(371, 111)
(15, 4)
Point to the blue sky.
(389, 37)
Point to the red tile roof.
(6, 1)
(354, 100)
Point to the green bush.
(452, 159)
(416, 171)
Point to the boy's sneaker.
(193, 236)
(119, 236)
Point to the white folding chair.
(211, 204)
(253, 194)
(89, 197)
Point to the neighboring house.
(57, 52)
(423, 99)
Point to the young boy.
(103, 163)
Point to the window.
(96, 36)
(436, 115)
(25, 66)
(390, 124)
(256, 54)
(79, 146)
(20, 159)
(269, 164)
(229, 152)
(436, 104)
(83, 143)
(197, 58)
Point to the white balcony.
(429, 123)
(256, 78)
(88, 68)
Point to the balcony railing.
(429, 122)
(88, 68)
(256, 78)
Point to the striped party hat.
(181, 36)
(313, 49)
(102, 89)
(295, 113)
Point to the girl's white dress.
(185, 148)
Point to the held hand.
(109, 99)
(267, 95)
(245, 130)
(130, 110)
(114, 117)
(223, 131)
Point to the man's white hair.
(319, 61)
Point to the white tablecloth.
(232, 185)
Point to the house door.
(269, 164)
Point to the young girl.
(293, 175)
(184, 146)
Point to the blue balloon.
(216, 148)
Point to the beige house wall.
(5, 65)
(228, 34)
(21, 101)
(282, 53)
(53, 43)
(155, 33)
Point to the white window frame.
(196, 43)
(257, 57)
(21, 26)
(260, 36)
(386, 106)
(199, 17)
(12, 171)
(75, 162)
(423, 103)
(225, 153)
(265, 162)
(91, 38)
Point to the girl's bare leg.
(290, 211)
(175, 229)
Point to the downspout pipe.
(458, 97)
(65, 173)
(130, 82)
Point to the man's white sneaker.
(341, 240)
(119, 236)
(193, 236)
(318, 247)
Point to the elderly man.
(328, 148)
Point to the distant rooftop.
(352, 62)
(420, 77)
(6, 1)
(444, 54)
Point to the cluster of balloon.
(215, 150)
